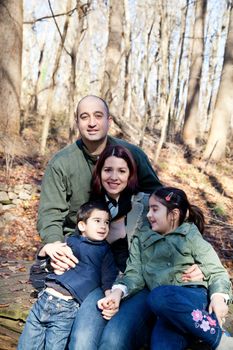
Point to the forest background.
(165, 67)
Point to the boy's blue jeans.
(182, 316)
(48, 324)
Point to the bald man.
(66, 183)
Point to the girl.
(158, 258)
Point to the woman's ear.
(81, 226)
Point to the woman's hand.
(193, 273)
(61, 255)
(107, 292)
(110, 304)
(219, 307)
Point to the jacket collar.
(81, 238)
(148, 236)
(110, 140)
(140, 196)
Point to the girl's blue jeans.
(48, 324)
(182, 316)
(129, 329)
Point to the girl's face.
(114, 176)
(160, 219)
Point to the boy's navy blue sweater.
(96, 268)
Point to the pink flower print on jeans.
(197, 315)
(205, 325)
(204, 321)
(211, 321)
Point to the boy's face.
(96, 227)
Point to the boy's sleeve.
(109, 271)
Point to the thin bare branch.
(69, 13)
(55, 21)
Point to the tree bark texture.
(220, 127)
(191, 122)
(112, 84)
(11, 20)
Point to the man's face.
(96, 227)
(92, 120)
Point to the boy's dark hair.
(87, 208)
(172, 198)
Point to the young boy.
(51, 317)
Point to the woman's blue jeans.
(48, 324)
(129, 329)
(182, 315)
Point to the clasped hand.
(110, 304)
(61, 255)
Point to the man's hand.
(61, 255)
(110, 304)
(219, 307)
(193, 273)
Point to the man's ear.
(81, 226)
(110, 119)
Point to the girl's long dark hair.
(172, 198)
(119, 152)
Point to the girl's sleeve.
(211, 266)
(133, 275)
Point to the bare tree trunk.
(11, 19)
(176, 75)
(172, 89)
(48, 115)
(127, 88)
(164, 42)
(109, 88)
(147, 68)
(191, 123)
(80, 33)
(217, 141)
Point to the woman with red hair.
(115, 181)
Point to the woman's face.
(114, 176)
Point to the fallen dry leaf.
(4, 305)
(4, 275)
